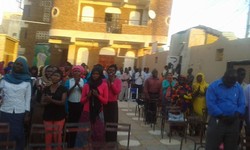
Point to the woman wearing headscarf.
(182, 98)
(41, 83)
(199, 93)
(111, 108)
(167, 90)
(9, 67)
(74, 86)
(16, 95)
(94, 95)
(182, 95)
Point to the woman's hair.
(59, 72)
(113, 66)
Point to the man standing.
(152, 92)
(225, 103)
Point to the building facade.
(8, 48)
(97, 31)
(210, 51)
(35, 27)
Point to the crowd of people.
(53, 95)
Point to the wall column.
(72, 54)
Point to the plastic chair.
(196, 140)
(132, 95)
(75, 128)
(174, 124)
(5, 130)
(115, 127)
(7, 145)
(37, 137)
(139, 108)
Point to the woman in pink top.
(111, 109)
(94, 95)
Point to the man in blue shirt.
(225, 103)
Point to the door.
(106, 60)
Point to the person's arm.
(211, 99)
(85, 93)
(247, 94)
(104, 97)
(164, 84)
(241, 102)
(116, 86)
(145, 89)
(28, 97)
(62, 102)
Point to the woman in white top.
(16, 95)
(74, 86)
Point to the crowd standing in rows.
(56, 95)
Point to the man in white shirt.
(139, 80)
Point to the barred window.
(42, 35)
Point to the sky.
(8, 6)
(223, 15)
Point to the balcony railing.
(115, 25)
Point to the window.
(55, 12)
(134, 18)
(219, 54)
(87, 14)
(42, 35)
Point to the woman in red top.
(111, 109)
(94, 95)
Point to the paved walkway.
(143, 137)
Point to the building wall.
(8, 48)
(11, 24)
(37, 11)
(154, 61)
(203, 58)
(69, 18)
(182, 42)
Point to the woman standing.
(94, 95)
(167, 91)
(111, 108)
(41, 83)
(74, 86)
(16, 88)
(54, 98)
(199, 94)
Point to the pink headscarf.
(80, 68)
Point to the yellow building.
(8, 48)
(107, 31)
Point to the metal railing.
(115, 25)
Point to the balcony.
(117, 26)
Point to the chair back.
(122, 127)
(133, 93)
(8, 145)
(4, 131)
(37, 136)
(77, 128)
